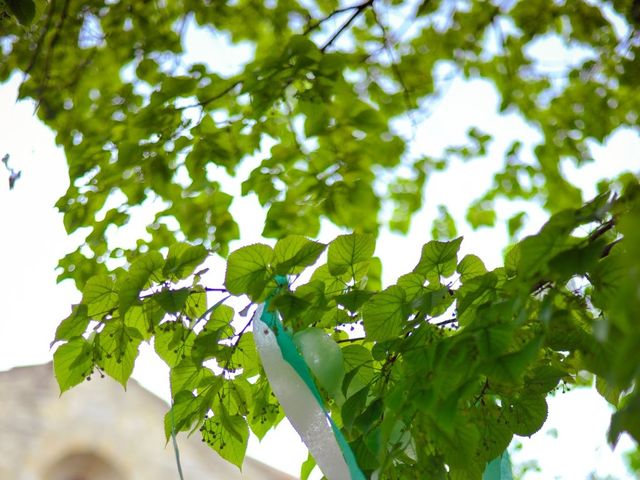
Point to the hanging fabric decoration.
(499, 468)
(293, 385)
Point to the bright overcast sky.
(570, 446)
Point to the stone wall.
(96, 431)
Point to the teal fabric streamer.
(499, 468)
(292, 356)
(267, 325)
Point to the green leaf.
(354, 406)
(248, 270)
(245, 355)
(227, 435)
(543, 379)
(221, 319)
(536, 250)
(515, 223)
(293, 310)
(143, 271)
(357, 364)
(148, 266)
(494, 340)
(495, 434)
(306, 468)
(412, 284)
(610, 393)
(74, 325)
(527, 415)
(182, 415)
(72, 363)
(205, 346)
(626, 419)
(265, 410)
(346, 251)
(183, 259)
(481, 214)
(444, 227)
(439, 257)
(293, 253)
(144, 318)
(470, 266)
(119, 349)
(385, 314)
(100, 295)
(576, 260)
(188, 375)
(24, 10)
(510, 367)
(170, 342)
(196, 304)
(354, 299)
(172, 301)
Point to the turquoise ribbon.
(499, 468)
(292, 356)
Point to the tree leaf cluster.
(438, 372)
(443, 367)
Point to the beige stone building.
(96, 431)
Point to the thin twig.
(485, 387)
(314, 26)
(396, 71)
(211, 289)
(347, 340)
(601, 230)
(443, 323)
(214, 98)
(358, 10)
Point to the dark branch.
(211, 289)
(314, 26)
(408, 100)
(358, 10)
(607, 249)
(214, 98)
(444, 323)
(348, 340)
(601, 230)
(543, 284)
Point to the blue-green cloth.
(499, 468)
(291, 354)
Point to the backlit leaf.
(248, 270)
(73, 361)
(385, 314)
(346, 251)
(438, 257)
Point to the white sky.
(33, 239)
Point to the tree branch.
(214, 98)
(314, 26)
(444, 323)
(358, 10)
(408, 100)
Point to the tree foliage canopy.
(443, 367)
